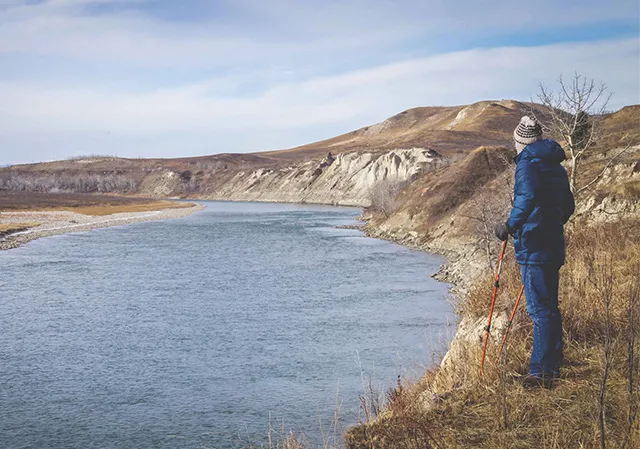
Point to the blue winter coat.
(542, 204)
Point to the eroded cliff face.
(345, 179)
(453, 211)
(617, 193)
(342, 179)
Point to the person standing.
(542, 204)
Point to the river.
(206, 330)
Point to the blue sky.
(166, 78)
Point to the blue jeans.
(541, 289)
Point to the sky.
(168, 78)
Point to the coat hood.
(547, 150)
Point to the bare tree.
(485, 216)
(384, 195)
(67, 182)
(574, 113)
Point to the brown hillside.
(109, 163)
(623, 125)
(452, 131)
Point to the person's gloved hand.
(502, 231)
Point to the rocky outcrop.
(342, 179)
(345, 179)
(616, 196)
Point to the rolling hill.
(340, 170)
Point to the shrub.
(384, 196)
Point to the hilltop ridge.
(340, 170)
(450, 130)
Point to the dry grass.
(6, 228)
(475, 304)
(628, 190)
(86, 204)
(621, 128)
(601, 311)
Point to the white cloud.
(254, 75)
(325, 104)
(255, 31)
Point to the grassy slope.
(458, 408)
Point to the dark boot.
(544, 381)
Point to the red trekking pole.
(493, 302)
(506, 332)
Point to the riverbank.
(596, 397)
(594, 400)
(23, 226)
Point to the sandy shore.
(61, 222)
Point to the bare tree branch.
(574, 118)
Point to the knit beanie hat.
(527, 132)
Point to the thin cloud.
(250, 32)
(254, 75)
(324, 104)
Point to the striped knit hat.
(527, 132)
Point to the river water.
(205, 331)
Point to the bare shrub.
(489, 206)
(384, 196)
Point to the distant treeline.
(66, 182)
